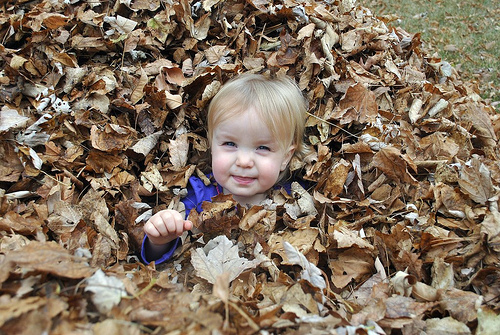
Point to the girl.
(255, 126)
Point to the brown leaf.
(348, 265)
(345, 238)
(404, 119)
(46, 257)
(146, 144)
(218, 217)
(150, 5)
(438, 147)
(359, 103)
(208, 4)
(252, 217)
(26, 315)
(302, 240)
(446, 325)
(404, 307)
(48, 20)
(199, 29)
(103, 162)
(490, 230)
(487, 280)
(138, 91)
(287, 54)
(64, 218)
(82, 43)
(20, 224)
(461, 305)
(334, 184)
(475, 180)
(395, 165)
(178, 151)
(126, 215)
(10, 165)
(477, 115)
(215, 53)
(112, 137)
(449, 200)
(173, 100)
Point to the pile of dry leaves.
(102, 123)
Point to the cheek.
(270, 170)
(220, 162)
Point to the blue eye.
(263, 147)
(229, 144)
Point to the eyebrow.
(225, 135)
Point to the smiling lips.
(243, 180)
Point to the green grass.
(465, 33)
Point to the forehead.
(243, 124)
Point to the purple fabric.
(197, 193)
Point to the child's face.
(246, 158)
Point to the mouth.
(243, 180)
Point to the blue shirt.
(198, 192)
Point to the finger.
(160, 224)
(176, 227)
(173, 222)
(150, 229)
(170, 215)
(157, 225)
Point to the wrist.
(159, 251)
(159, 242)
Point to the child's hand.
(165, 226)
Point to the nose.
(244, 159)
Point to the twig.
(75, 180)
(250, 321)
(332, 124)
(144, 290)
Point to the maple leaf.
(220, 256)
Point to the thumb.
(188, 225)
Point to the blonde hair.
(278, 102)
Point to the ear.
(287, 157)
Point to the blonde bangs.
(278, 102)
